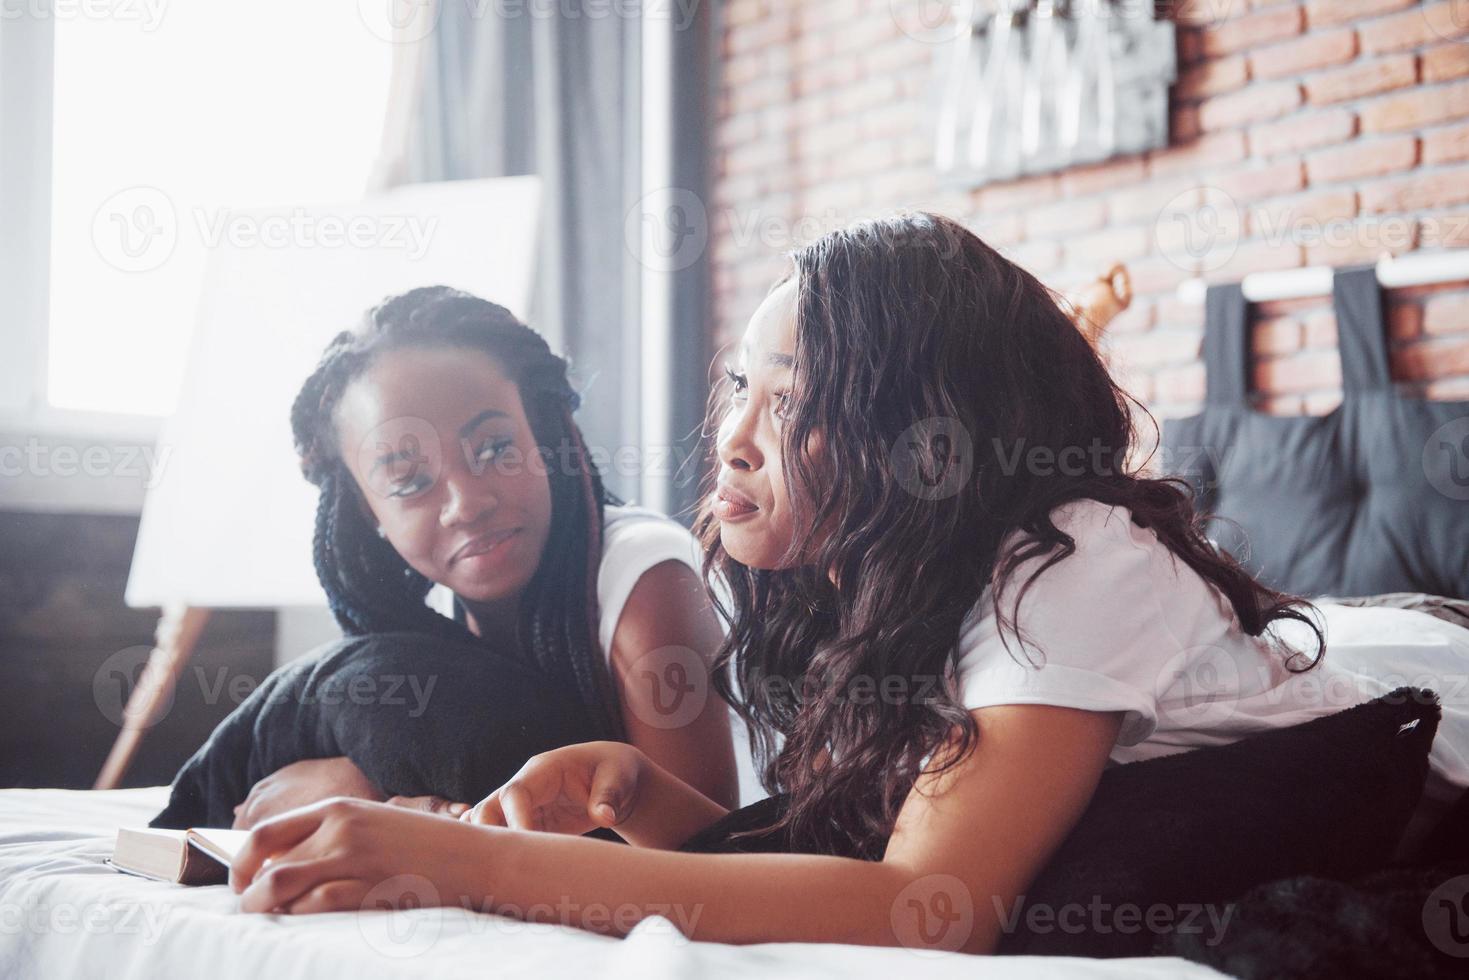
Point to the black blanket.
(417, 714)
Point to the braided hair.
(369, 587)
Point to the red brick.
(1257, 182)
(1190, 45)
(1321, 329)
(1252, 30)
(1140, 315)
(1278, 335)
(1183, 122)
(1320, 12)
(1446, 314)
(1142, 203)
(1404, 321)
(1173, 312)
(1446, 61)
(1363, 158)
(1105, 247)
(1080, 181)
(1302, 132)
(1155, 274)
(1299, 307)
(1361, 79)
(869, 157)
(1257, 256)
(1428, 361)
(1446, 145)
(1322, 403)
(1211, 150)
(1175, 385)
(1249, 105)
(1446, 230)
(1361, 241)
(1064, 218)
(1419, 192)
(1275, 218)
(1300, 372)
(1423, 106)
(1285, 406)
(1026, 192)
(1212, 78)
(1415, 28)
(1316, 50)
(1156, 348)
(1452, 390)
(1037, 258)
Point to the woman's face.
(756, 524)
(440, 446)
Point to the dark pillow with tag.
(1166, 844)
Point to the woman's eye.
(782, 404)
(491, 449)
(739, 382)
(410, 487)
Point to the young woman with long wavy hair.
(952, 600)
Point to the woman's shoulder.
(635, 540)
(627, 528)
(1100, 532)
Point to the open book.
(199, 856)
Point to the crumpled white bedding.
(63, 913)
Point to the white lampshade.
(229, 521)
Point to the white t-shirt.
(1122, 624)
(634, 540)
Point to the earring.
(381, 533)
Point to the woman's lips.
(731, 505)
(484, 545)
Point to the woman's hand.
(301, 783)
(569, 790)
(344, 854)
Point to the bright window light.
(167, 115)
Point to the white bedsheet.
(63, 913)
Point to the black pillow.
(1177, 838)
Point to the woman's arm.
(578, 788)
(965, 845)
(665, 639)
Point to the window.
(166, 115)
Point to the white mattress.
(63, 913)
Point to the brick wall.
(1338, 129)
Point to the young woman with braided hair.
(441, 437)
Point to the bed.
(63, 913)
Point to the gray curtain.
(556, 93)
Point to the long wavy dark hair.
(369, 586)
(900, 322)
